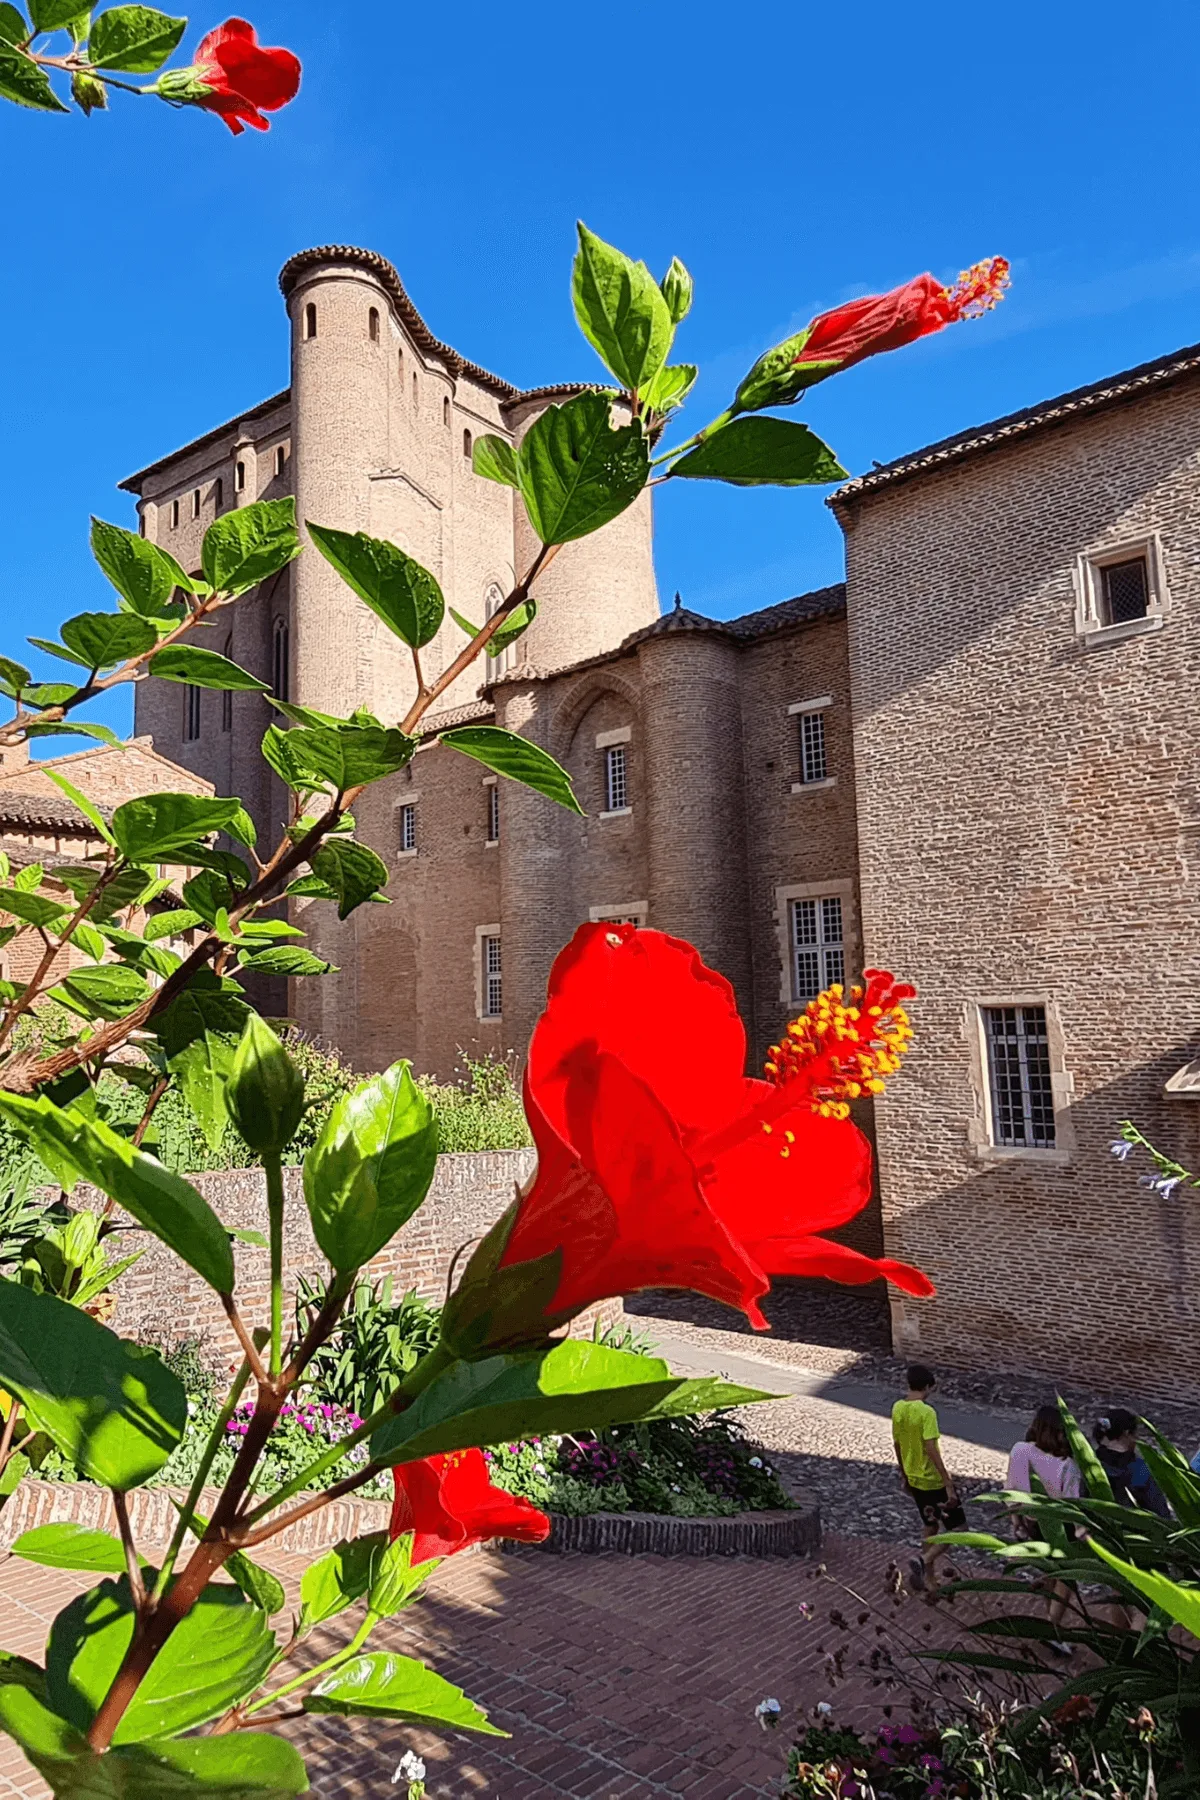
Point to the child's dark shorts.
(937, 1514)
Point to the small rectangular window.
(195, 503)
(408, 826)
(493, 814)
(218, 493)
(239, 477)
(280, 458)
(489, 949)
(191, 714)
(174, 515)
(1124, 591)
(1018, 1058)
(813, 763)
(818, 946)
(281, 656)
(616, 779)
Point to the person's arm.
(934, 1454)
(900, 1462)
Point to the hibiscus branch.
(242, 1539)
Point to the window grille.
(813, 763)
(191, 714)
(493, 814)
(1018, 1055)
(818, 946)
(280, 659)
(616, 779)
(1125, 591)
(490, 952)
(408, 826)
(226, 694)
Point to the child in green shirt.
(923, 1474)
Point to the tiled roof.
(1130, 384)
(21, 855)
(48, 812)
(474, 712)
(796, 611)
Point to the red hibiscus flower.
(879, 322)
(242, 79)
(448, 1503)
(660, 1164)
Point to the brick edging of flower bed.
(794, 1532)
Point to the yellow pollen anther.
(767, 1128)
(785, 1153)
(790, 1136)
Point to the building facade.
(971, 764)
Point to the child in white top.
(1045, 1452)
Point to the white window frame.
(620, 912)
(406, 813)
(1090, 624)
(981, 1129)
(492, 801)
(796, 711)
(812, 890)
(616, 756)
(484, 935)
(827, 947)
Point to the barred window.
(813, 763)
(1125, 591)
(408, 826)
(493, 813)
(191, 714)
(489, 949)
(1018, 1056)
(616, 779)
(818, 947)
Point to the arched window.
(280, 458)
(414, 390)
(174, 515)
(400, 363)
(491, 600)
(373, 324)
(218, 494)
(280, 658)
(446, 410)
(466, 443)
(239, 477)
(310, 320)
(226, 695)
(195, 503)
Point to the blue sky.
(793, 156)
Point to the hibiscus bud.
(677, 287)
(265, 1090)
(777, 378)
(184, 86)
(88, 93)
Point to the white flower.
(823, 1710)
(1164, 1185)
(410, 1768)
(756, 1462)
(191, 1406)
(1122, 1149)
(767, 1713)
(674, 1489)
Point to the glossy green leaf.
(621, 311)
(149, 827)
(574, 1385)
(125, 888)
(1182, 1604)
(670, 387)
(199, 1033)
(144, 576)
(14, 677)
(110, 1406)
(761, 452)
(29, 879)
(347, 756)
(371, 1167)
(343, 1575)
(1095, 1476)
(518, 758)
(381, 1684)
(20, 1672)
(171, 924)
(204, 668)
(243, 547)
(217, 887)
(138, 951)
(352, 871)
(74, 728)
(285, 959)
(278, 754)
(516, 623)
(51, 693)
(576, 471)
(163, 1202)
(395, 587)
(217, 1653)
(495, 459)
(395, 1581)
(101, 639)
(52, 15)
(265, 1089)
(22, 81)
(71, 1546)
(242, 829)
(311, 887)
(80, 800)
(32, 909)
(109, 990)
(58, 650)
(136, 39)
(13, 28)
(260, 1587)
(12, 1475)
(677, 289)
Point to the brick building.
(993, 716)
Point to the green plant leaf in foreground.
(517, 757)
(353, 871)
(572, 1386)
(135, 39)
(204, 668)
(343, 1575)
(381, 1684)
(621, 310)
(243, 547)
(151, 827)
(144, 576)
(495, 459)
(577, 470)
(199, 1033)
(22, 81)
(395, 587)
(761, 452)
(71, 1546)
(1180, 1603)
(110, 1406)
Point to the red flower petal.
(878, 322)
(821, 1256)
(758, 1191)
(449, 1503)
(236, 62)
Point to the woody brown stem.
(257, 1367)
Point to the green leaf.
(576, 471)
(171, 924)
(163, 1202)
(677, 288)
(14, 677)
(11, 1476)
(100, 640)
(1180, 1603)
(397, 589)
(122, 891)
(517, 757)
(204, 668)
(670, 387)
(260, 1587)
(217, 887)
(110, 1406)
(29, 879)
(371, 1167)
(760, 452)
(265, 1090)
(243, 547)
(518, 621)
(79, 800)
(144, 576)
(1095, 1476)
(137, 950)
(147, 828)
(34, 909)
(242, 829)
(338, 1578)
(621, 311)
(277, 753)
(13, 28)
(74, 728)
(572, 1386)
(24, 82)
(495, 459)
(312, 887)
(352, 871)
(1177, 1480)
(109, 990)
(395, 1579)
(52, 15)
(348, 756)
(285, 959)
(217, 1653)
(71, 1546)
(199, 1034)
(381, 1684)
(136, 39)
(20, 1671)
(51, 693)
